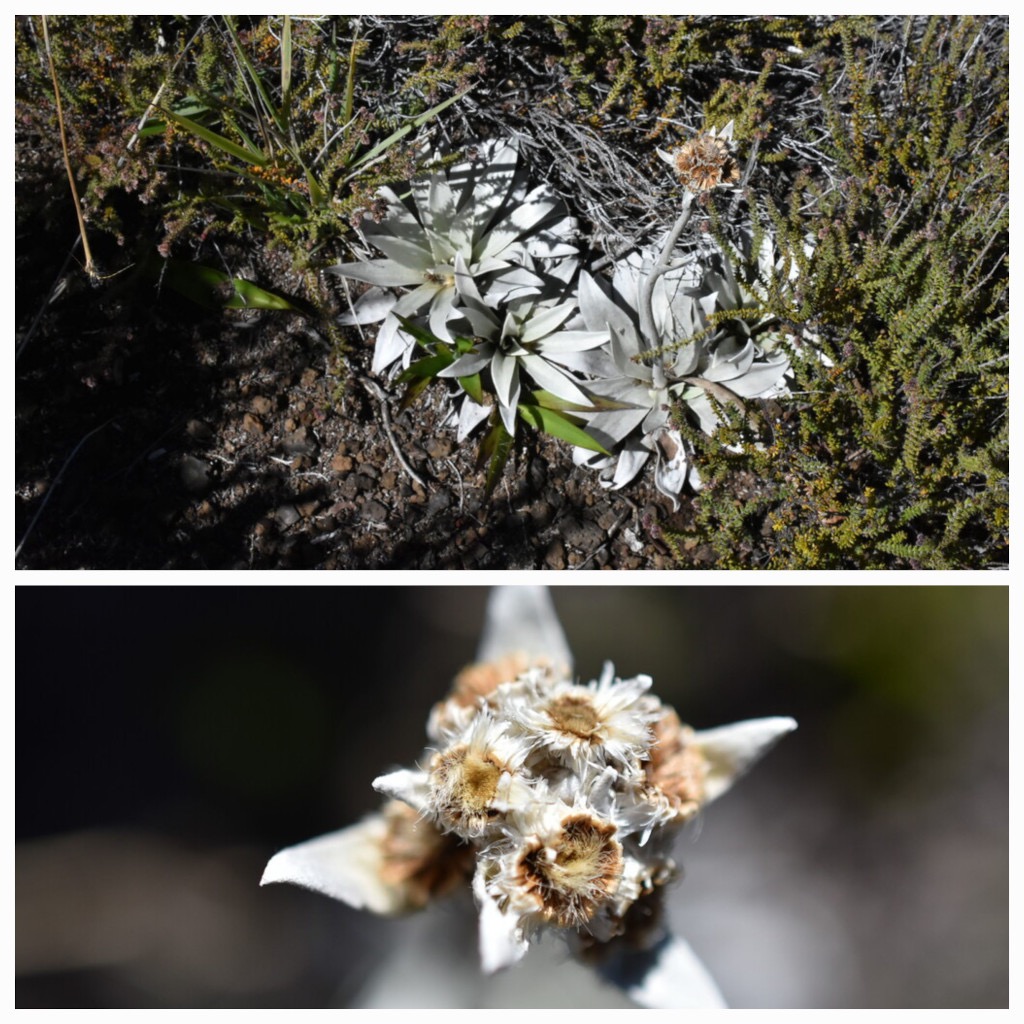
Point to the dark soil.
(152, 434)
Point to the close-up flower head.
(557, 801)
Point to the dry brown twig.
(90, 264)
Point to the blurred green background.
(170, 739)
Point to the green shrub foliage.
(896, 454)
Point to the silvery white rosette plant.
(482, 212)
(665, 354)
(556, 802)
(494, 297)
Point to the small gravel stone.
(374, 511)
(439, 447)
(439, 501)
(298, 442)
(582, 534)
(195, 474)
(198, 430)
(286, 515)
(541, 513)
(261, 405)
(554, 557)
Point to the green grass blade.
(412, 392)
(550, 401)
(286, 66)
(385, 144)
(268, 104)
(248, 156)
(350, 80)
(251, 296)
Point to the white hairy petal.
(344, 865)
(502, 942)
(470, 363)
(614, 426)
(598, 309)
(399, 220)
(667, 976)
(571, 341)
(631, 460)
(405, 784)
(670, 473)
(760, 377)
(408, 253)
(442, 309)
(471, 414)
(731, 749)
(391, 344)
(523, 620)
(506, 380)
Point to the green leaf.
(473, 387)
(494, 450)
(214, 289)
(350, 78)
(412, 392)
(248, 156)
(269, 107)
(317, 196)
(557, 425)
(251, 296)
(428, 368)
(421, 335)
(423, 118)
(550, 401)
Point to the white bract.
(556, 803)
(481, 210)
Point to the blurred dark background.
(170, 739)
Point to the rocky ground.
(153, 435)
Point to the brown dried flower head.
(676, 768)
(705, 162)
(482, 678)
(473, 780)
(418, 859)
(573, 872)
